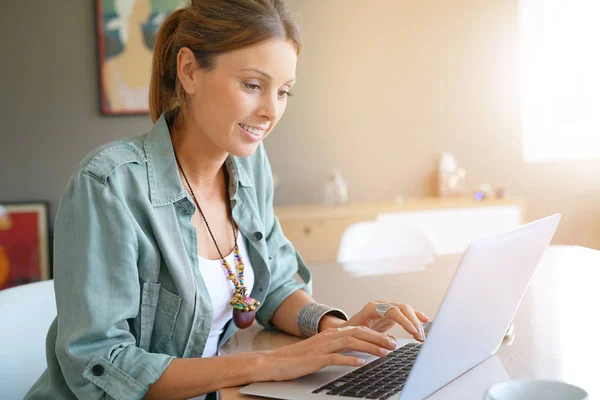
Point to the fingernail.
(360, 361)
(384, 352)
(393, 343)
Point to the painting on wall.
(126, 31)
(24, 243)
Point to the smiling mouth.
(254, 131)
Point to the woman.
(166, 244)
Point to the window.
(560, 79)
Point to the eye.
(285, 93)
(252, 86)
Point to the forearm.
(185, 378)
(287, 313)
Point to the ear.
(186, 65)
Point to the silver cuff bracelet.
(310, 315)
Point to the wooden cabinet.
(316, 230)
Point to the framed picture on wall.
(126, 30)
(24, 243)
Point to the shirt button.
(97, 370)
(258, 236)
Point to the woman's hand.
(402, 314)
(321, 350)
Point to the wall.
(386, 85)
(50, 108)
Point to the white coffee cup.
(530, 389)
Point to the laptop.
(477, 310)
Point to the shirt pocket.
(158, 316)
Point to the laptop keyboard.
(378, 379)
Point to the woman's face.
(240, 101)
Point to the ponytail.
(163, 82)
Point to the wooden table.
(556, 326)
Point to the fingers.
(361, 339)
(369, 335)
(412, 316)
(339, 359)
(422, 317)
(405, 316)
(351, 343)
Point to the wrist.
(262, 367)
(330, 321)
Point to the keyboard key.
(340, 389)
(332, 385)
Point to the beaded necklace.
(243, 305)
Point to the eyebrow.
(269, 77)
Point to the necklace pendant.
(243, 310)
(243, 319)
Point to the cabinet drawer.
(317, 239)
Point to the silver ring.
(383, 308)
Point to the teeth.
(252, 130)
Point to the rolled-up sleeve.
(285, 261)
(97, 294)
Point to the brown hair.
(208, 28)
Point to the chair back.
(372, 242)
(26, 313)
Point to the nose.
(269, 107)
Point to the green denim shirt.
(129, 293)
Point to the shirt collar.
(165, 184)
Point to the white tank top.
(221, 291)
